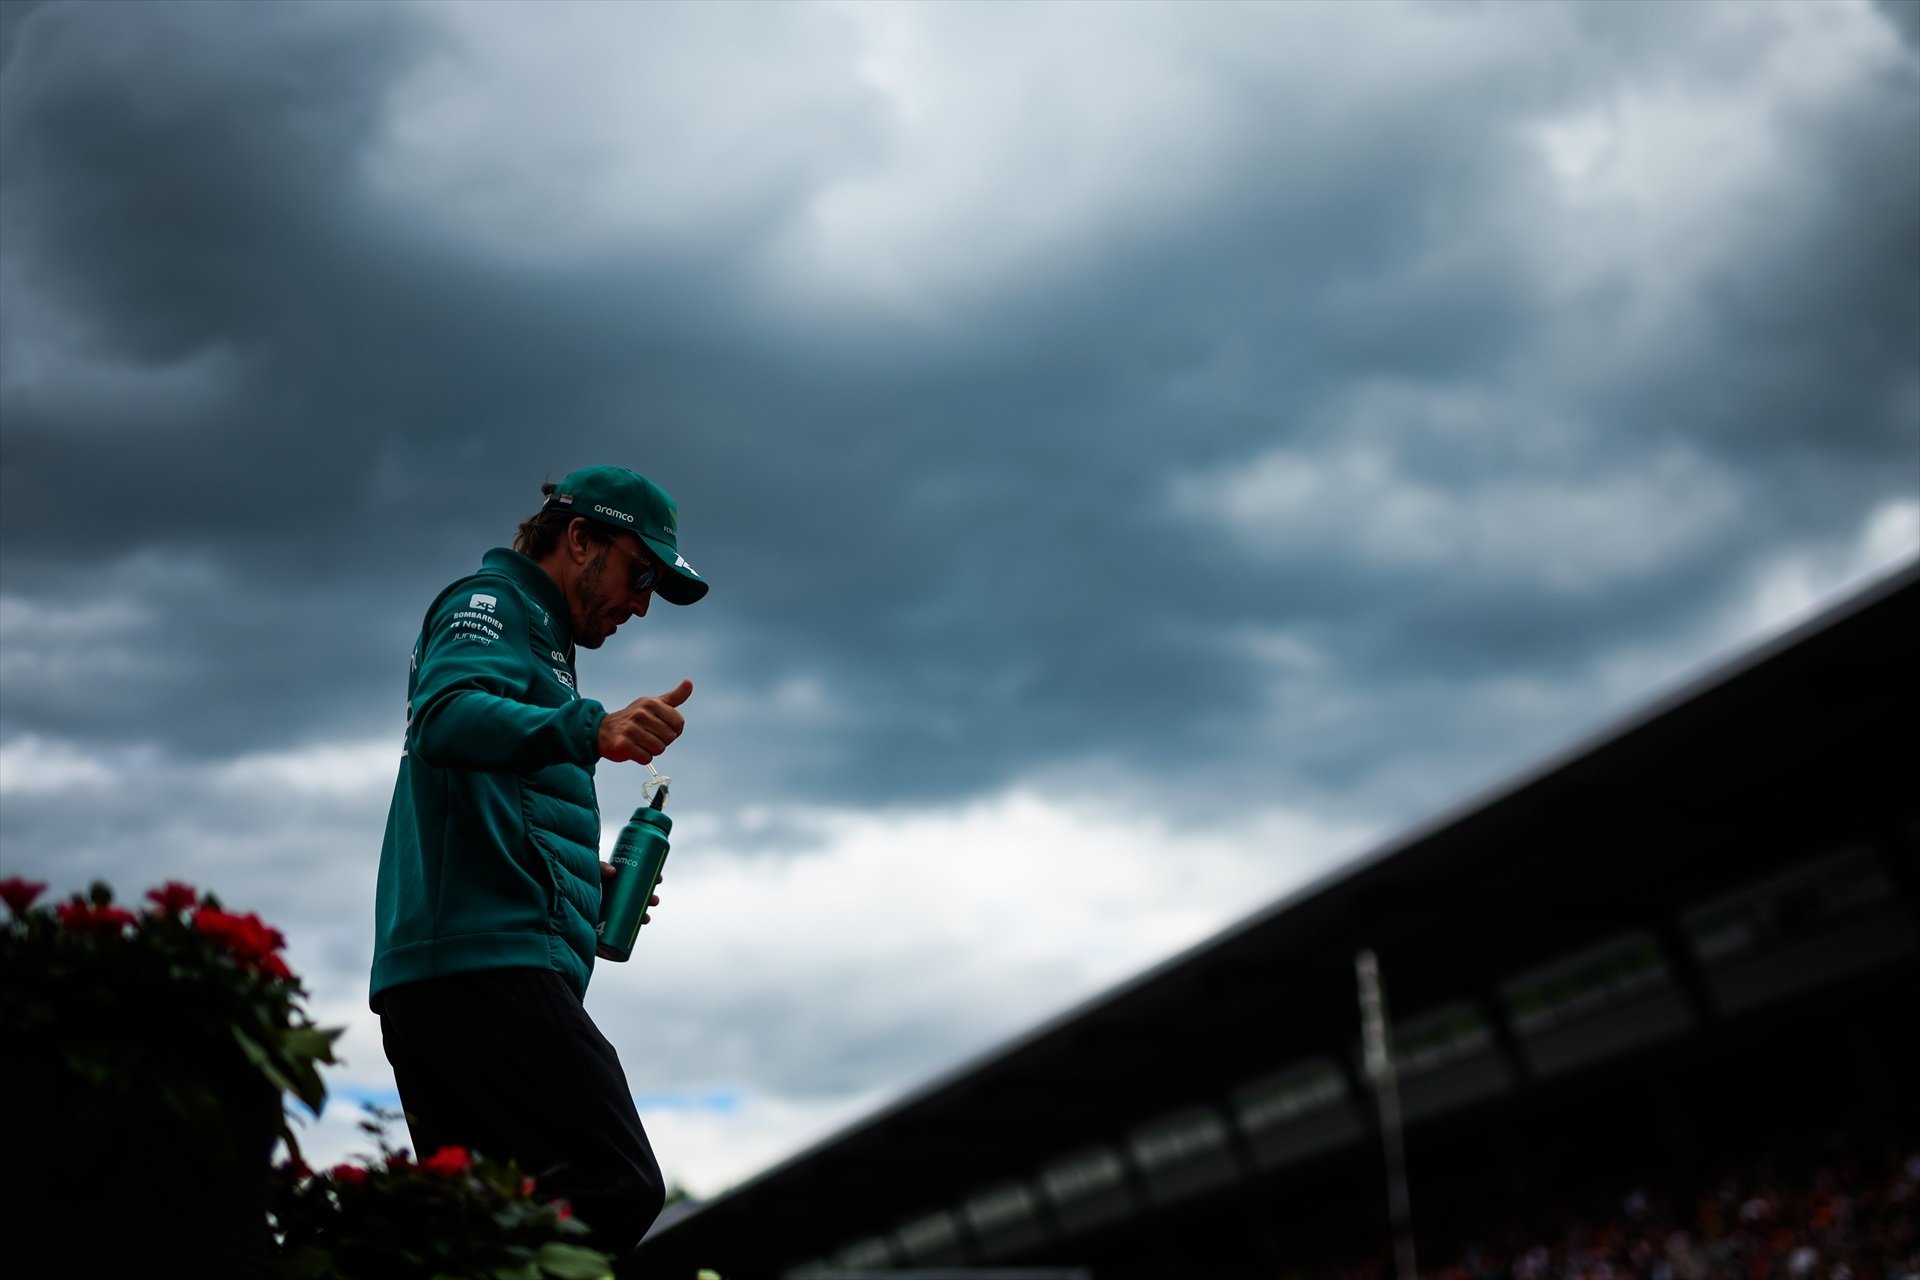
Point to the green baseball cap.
(628, 500)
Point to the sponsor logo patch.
(480, 601)
(617, 515)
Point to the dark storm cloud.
(273, 408)
(951, 554)
(1904, 15)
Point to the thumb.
(678, 694)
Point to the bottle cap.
(656, 818)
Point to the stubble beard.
(590, 603)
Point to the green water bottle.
(638, 855)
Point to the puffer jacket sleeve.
(474, 701)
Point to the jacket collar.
(536, 582)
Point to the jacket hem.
(469, 953)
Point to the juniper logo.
(480, 601)
(617, 515)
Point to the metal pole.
(1386, 1093)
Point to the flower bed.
(113, 998)
(455, 1213)
(149, 1055)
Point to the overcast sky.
(1143, 454)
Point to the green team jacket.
(492, 853)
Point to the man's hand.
(646, 727)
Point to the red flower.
(19, 894)
(526, 1186)
(173, 897)
(562, 1210)
(274, 967)
(251, 942)
(449, 1161)
(84, 917)
(349, 1175)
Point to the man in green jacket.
(489, 888)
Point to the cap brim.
(677, 586)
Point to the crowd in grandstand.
(1852, 1218)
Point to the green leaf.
(309, 1087)
(260, 1058)
(311, 1042)
(572, 1262)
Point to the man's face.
(603, 594)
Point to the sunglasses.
(643, 577)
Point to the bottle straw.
(657, 783)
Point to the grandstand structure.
(1699, 926)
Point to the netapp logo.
(609, 511)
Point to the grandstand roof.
(1796, 744)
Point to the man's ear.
(579, 545)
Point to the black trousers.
(507, 1063)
